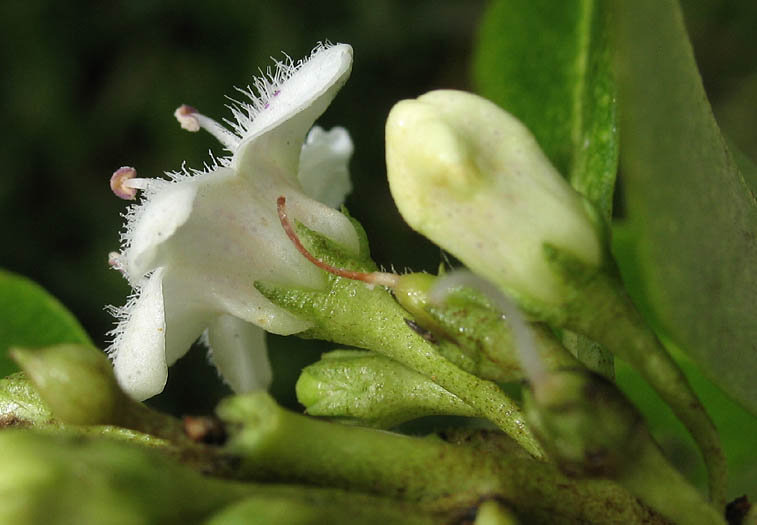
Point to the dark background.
(86, 87)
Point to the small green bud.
(60, 479)
(585, 423)
(75, 381)
(472, 178)
(412, 294)
(78, 385)
(373, 389)
(20, 404)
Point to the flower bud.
(59, 479)
(20, 404)
(78, 387)
(472, 178)
(75, 381)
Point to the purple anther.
(119, 183)
(187, 117)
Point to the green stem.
(333, 507)
(272, 442)
(493, 512)
(56, 479)
(609, 317)
(667, 491)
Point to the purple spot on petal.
(275, 93)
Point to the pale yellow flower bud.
(471, 177)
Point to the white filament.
(525, 348)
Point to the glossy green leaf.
(550, 64)
(691, 204)
(31, 317)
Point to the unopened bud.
(20, 404)
(471, 178)
(75, 381)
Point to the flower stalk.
(590, 429)
(435, 474)
(61, 479)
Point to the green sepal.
(372, 390)
(347, 311)
(474, 336)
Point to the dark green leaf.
(549, 64)
(31, 317)
(692, 212)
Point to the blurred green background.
(87, 87)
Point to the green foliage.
(30, 317)
(691, 206)
(686, 253)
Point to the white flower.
(195, 245)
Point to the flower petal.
(324, 160)
(232, 239)
(275, 135)
(186, 314)
(138, 350)
(238, 350)
(166, 208)
(158, 326)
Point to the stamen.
(389, 280)
(115, 261)
(125, 185)
(192, 120)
